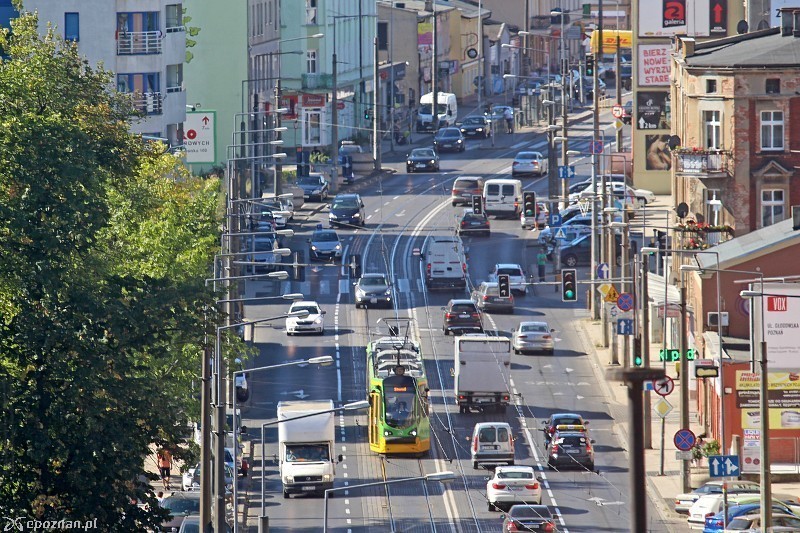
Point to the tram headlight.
(387, 433)
(413, 432)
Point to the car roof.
(346, 195)
(324, 232)
(471, 178)
(508, 265)
(532, 323)
(489, 284)
(529, 154)
(513, 468)
(304, 303)
(461, 301)
(373, 275)
(564, 415)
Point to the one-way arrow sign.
(723, 465)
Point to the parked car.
(313, 322)
(314, 186)
(529, 163)
(685, 500)
(324, 245)
(191, 524)
(529, 518)
(533, 336)
(461, 316)
(512, 485)
(180, 505)
(516, 276)
(472, 224)
(347, 209)
(191, 478)
(715, 523)
(752, 522)
(579, 251)
(476, 126)
(464, 188)
(449, 139)
(487, 297)
(373, 289)
(422, 159)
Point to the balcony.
(130, 43)
(694, 236)
(540, 22)
(317, 81)
(148, 103)
(703, 163)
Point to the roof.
(758, 49)
(747, 247)
(418, 6)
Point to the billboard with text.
(665, 18)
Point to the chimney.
(796, 16)
(688, 46)
(787, 22)
(429, 5)
(795, 217)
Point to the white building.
(143, 42)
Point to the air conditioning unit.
(715, 321)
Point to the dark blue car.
(714, 524)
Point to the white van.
(444, 261)
(502, 197)
(447, 111)
(492, 443)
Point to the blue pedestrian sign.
(684, 440)
(624, 326)
(561, 235)
(555, 219)
(603, 271)
(723, 465)
(566, 172)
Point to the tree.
(106, 243)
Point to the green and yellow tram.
(398, 396)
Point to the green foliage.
(106, 244)
(319, 157)
(191, 31)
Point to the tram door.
(374, 418)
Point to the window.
(175, 78)
(772, 130)
(312, 131)
(773, 86)
(311, 61)
(713, 129)
(713, 205)
(711, 86)
(174, 17)
(72, 27)
(383, 35)
(772, 206)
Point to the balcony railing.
(541, 22)
(317, 81)
(703, 162)
(148, 103)
(139, 42)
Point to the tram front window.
(399, 407)
(307, 453)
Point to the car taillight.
(719, 523)
(545, 336)
(588, 447)
(551, 430)
(512, 526)
(428, 269)
(515, 163)
(532, 487)
(511, 297)
(498, 486)
(475, 315)
(709, 515)
(449, 315)
(555, 448)
(475, 444)
(485, 298)
(464, 267)
(549, 526)
(516, 203)
(463, 223)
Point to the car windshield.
(263, 245)
(309, 180)
(567, 421)
(345, 203)
(312, 309)
(179, 506)
(509, 271)
(474, 120)
(423, 152)
(530, 511)
(373, 281)
(325, 236)
(449, 133)
(515, 475)
(493, 290)
(463, 308)
(535, 328)
(474, 217)
(307, 453)
(463, 184)
(527, 155)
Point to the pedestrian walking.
(508, 114)
(541, 262)
(165, 466)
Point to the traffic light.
(589, 65)
(661, 237)
(569, 286)
(637, 352)
(504, 285)
(477, 204)
(367, 113)
(529, 203)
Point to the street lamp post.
(565, 97)
(322, 360)
(436, 476)
(362, 404)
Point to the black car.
(180, 505)
(314, 186)
(472, 224)
(347, 209)
(561, 419)
(529, 518)
(570, 447)
(449, 139)
(461, 316)
(579, 251)
(476, 127)
(422, 159)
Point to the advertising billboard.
(666, 18)
(776, 319)
(654, 64)
(783, 399)
(199, 136)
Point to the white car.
(685, 500)
(313, 323)
(532, 336)
(529, 163)
(516, 276)
(512, 485)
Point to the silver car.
(325, 246)
(373, 289)
(533, 336)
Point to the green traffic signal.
(568, 280)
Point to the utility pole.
(334, 116)
(205, 440)
(686, 482)
(566, 96)
(766, 482)
(618, 82)
(644, 346)
(277, 186)
(376, 138)
(596, 303)
(435, 74)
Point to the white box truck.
(306, 447)
(482, 372)
(448, 111)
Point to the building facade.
(142, 42)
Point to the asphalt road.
(402, 210)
